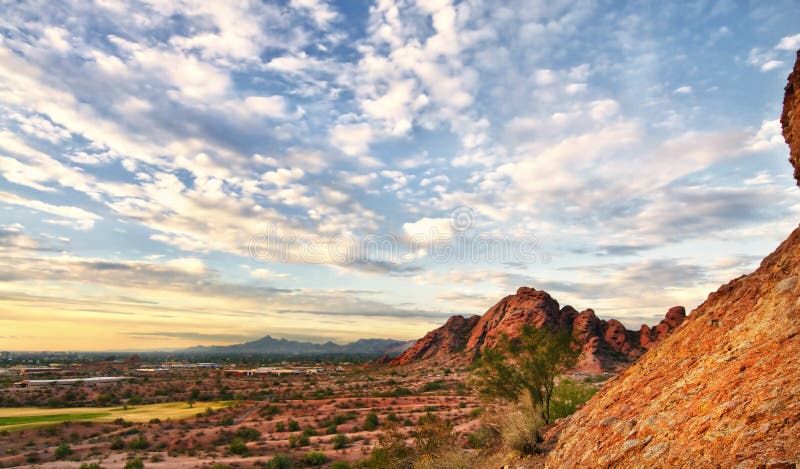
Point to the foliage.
(138, 443)
(340, 465)
(90, 465)
(135, 463)
(296, 441)
(568, 395)
(371, 421)
(62, 451)
(238, 446)
(294, 425)
(340, 441)
(248, 434)
(117, 443)
(520, 428)
(539, 357)
(315, 458)
(479, 438)
(280, 462)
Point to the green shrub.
(371, 421)
(139, 443)
(340, 441)
(567, 396)
(340, 465)
(248, 434)
(478, 439)
(294, 425)
(90, 465)
(297, 441)
(280, 462)
(332, 428)
(135, 463)
(238, 446)
(280, 427)
(520, 428)
(315, 458)
(62, 451)
(117, 443)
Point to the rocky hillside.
(722, 391)
(607, 345)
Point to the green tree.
(528, 365)
(280, 462)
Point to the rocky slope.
(790, 119)
(607, 345)
(723, 391)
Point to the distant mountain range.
(272, 346)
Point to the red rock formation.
(384, 359)
(442, 342)
(674, 318)
(720, 391)
(790, 118)
(606, 345)
(528, 306)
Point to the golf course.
(23, 418)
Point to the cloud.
(77, 218)
(790, 43)
(683, 90)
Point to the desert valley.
(152, 321)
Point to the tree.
(528, 365)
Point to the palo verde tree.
(528, 364)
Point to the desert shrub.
(220, 465)
(431, 434)
(476, 412)
(332, 428)
(248, 434)
(238, 446)
(520, 428)
(90, 465)
(392, 417)
(135, 463)
(294, 425)
(451, 458)
(280, 427)
(279, 462)
(117, 443)
(226, 421)
(371, 421)
(567, 396)
(479, 438)
(436, 385)
(297, 441)
(340, 441)
(315, 458)
(391, 451)
(309, 432)
(340, 465)
(62, 451)
(138, 443)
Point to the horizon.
(175, 174)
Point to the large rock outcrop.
(723, 390)
(443, 342)
(607, 345)
(790, 119)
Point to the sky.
(180, 172)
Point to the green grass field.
(23, 418)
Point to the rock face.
(606, 345)
(442, 343)
(790, 119)
(722, 391)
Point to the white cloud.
(82, 218)
(272, 106)
(352, 139)
(320, 12)
(770, 65)
(683, 90)
(791, 43)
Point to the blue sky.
(148, 150)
